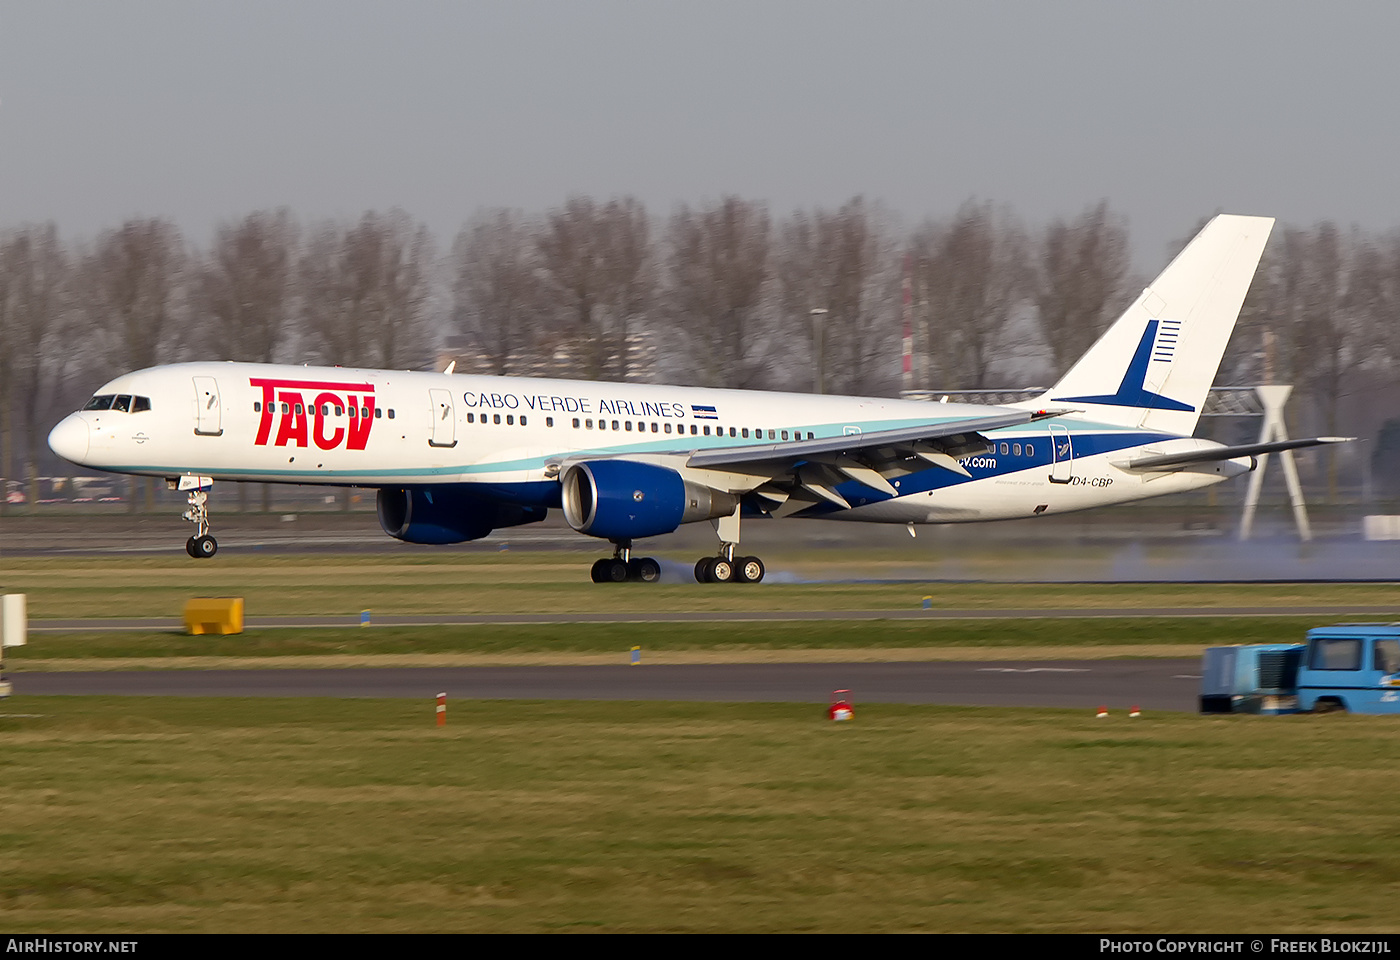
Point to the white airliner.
(454, 457)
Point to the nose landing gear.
(201, 546)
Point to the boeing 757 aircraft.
(454, 457)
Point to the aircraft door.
(1061, 455)
(209, 421)
(444, 419)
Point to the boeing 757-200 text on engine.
(454, 457)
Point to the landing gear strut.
(623, 566)
(201, 546)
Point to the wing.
(794, 475)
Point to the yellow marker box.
(214, 615)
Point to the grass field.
(662, 643)
(520, 583)
(150, 815)
(174, 814)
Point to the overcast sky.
(205, 111)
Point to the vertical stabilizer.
(1153, 367)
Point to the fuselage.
(505, 437)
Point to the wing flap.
(958, 432)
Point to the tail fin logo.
(1132, 392)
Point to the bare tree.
(365, 291)
(971, 276)
(496, 288)
(597, 261)
(1327, 319)
(718, 268)
(843, 266)
(1082, 281)
(244, 290)
(132, 291)
(132, 288)
(244, 286)
(33, 291)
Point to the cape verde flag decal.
(702, 412)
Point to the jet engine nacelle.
(446, 514)
(627, 500)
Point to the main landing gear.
(622, 566)
(201, 546)
(725, 568)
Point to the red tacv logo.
(284, 400)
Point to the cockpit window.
(124, 403)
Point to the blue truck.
(1354, 667)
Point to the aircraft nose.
(70, 438)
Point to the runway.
(1086, 684)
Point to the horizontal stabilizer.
(1168, 461)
